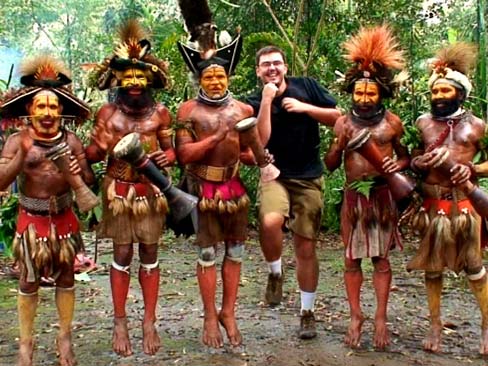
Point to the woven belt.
(52, 205)
(214, 173)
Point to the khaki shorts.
(299, 200)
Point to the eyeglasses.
(268, 64)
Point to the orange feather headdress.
(452, 64)
(375, 53)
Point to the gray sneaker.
(274, 289)
(307, 325)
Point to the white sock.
(275, 267)
(308, 300)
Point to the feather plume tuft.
(460, 57)
(200, 26)
(43, 68)
(374, 46)
(132, 36)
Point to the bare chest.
(122, 124)
(449, 134)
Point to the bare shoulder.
(163, 114)
(12, 144)
(340, 124)
(394, 121)
(72, 139)
(246, 109)
(106, 111)
(185, 109)
(423, 120)
(478, 122)
(393, 118)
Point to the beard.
(444, 107)
(135, 102)
(367, 110)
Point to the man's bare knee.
(381, 264)
(352, 265)
(272, 221)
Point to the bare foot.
(381, 336)
(150, 338)
(353, 336)
(120, 338)
(432, 341)
(230, 325)
(65, 350)
(25, 353)
(211, 333)
(484, 341)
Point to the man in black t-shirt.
(290, 110)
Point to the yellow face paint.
(133, 78)
(214, 81)
(366, 92)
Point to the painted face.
(366, 93)
(214, 82)
(45, 113)
(134, 79)
(272, 68)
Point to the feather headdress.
(43, 72)
(200, 26)
(203, 51)
(132, 51)
(375, 53)
(452, 64)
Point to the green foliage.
(8, 219)
(362, 186)
(333, 193)
(412, 137)
(250, 177)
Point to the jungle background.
(311, 32)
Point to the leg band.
(275, 267)
(206, 256)
(26, 293)
(120, 268)
(149, 267)
(477, 276)
(72, 288)
(235, 252)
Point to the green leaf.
(362, 186)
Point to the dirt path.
(269, 334)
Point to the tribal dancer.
(369, 222)
(447, 221)
(134, 210)
(48, 236)
(210, 146)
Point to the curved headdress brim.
(15, 106)
(227, 57)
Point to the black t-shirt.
(295, 138)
